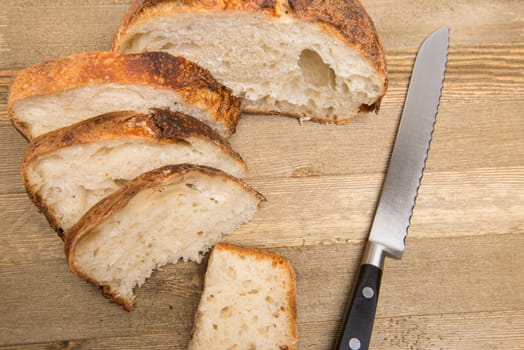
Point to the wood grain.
(337, 209)
(324, 274)
(405, 24)
(460, 284)
(505, 330)
(35, 30)
(466, 117)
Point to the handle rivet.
(368, 292)
(354, 344)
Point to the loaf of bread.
(318, 60)
(162, 216)
(68, 170)
(248, 302)
(66, 90)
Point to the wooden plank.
(436, 274)
(6, 76)
(279, 147)
(466, 137)
(458, 286)
(332, 209)
(456, 331)
(12, 148)
(328, 209)
(406, 23)
(43, 302)
(493, 71)
(33, 30)
(466, 331)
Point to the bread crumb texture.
(315, 59)
(248, 302)
(62, 169)
(69, 89)
(163, 216)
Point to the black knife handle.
(356, 329)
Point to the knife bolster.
(374, 255)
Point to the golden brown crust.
(101, 211)
(141, 10)
(350, 22)
(303, 117)
(42, 206)
(346, 19)
(159, 126)
(278, 261)
(156, 69)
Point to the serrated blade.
(399, 192)
(410, 151)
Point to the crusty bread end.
(66, 90)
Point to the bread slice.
(167, 214)
(66, 90)
(248, 302)
(68, 170)
(319, 60)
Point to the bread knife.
(399, 191)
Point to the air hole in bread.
(182, 142)
(247, 283)
(120, 182)
(243, 329)
(307, 61)
(315, 71)
(189, 46)
(345, 88)
(263, 330)
(226, 312)
(167, 46)
(102, 151)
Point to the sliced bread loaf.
(320, 60)
(68, 170)
(248, 302)
(170, 213)
(69, 89)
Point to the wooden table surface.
(460, 284)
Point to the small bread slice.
(171, 213)
(68, 170)
(318, 60)
(66, 90)
(248, 302)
